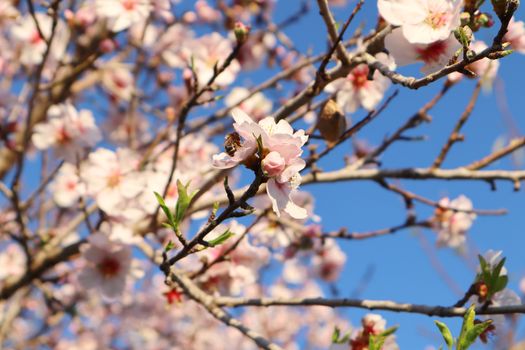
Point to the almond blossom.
(67, 187)
(208, 52)
(170, 45)
(240, 270)
(452, 225)
(281, 162)
(257, 106)
(357, 91)
(329, 261)
(67, 131)
(107, 266)
(179, 50)
(111, 177)
(123, 13)
(117, 80)
(12, 260)
(434, 55)
(255, 49)
(33, 45)
(422, 21)
(516, 35)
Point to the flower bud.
(464, 18)
(273, 164)
(107, 45)
(241, 32)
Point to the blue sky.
(402, 269)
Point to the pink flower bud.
(107, 45)
(273, 164)
(189, 17)
(241, 32)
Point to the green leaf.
(335, 335)
(389, 331)
(473, 333)
(482, 263)
(496, 272)
(169, 246)
(215, 208)
(183, 202)
(376, 342)
(501, 283)
(165, 208)
(445, 332)
(222, 238)
(468, 323)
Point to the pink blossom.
(241, 269)
(33, 45)
(107, 265)
(111, 177)
(207, 52)
(273, 164)
(67, 187)
(67, 131)
(162, 9)
(205, 12)
(516, 35)
(434, 55)
(452, 225)
(329, 261)
(118, 81)
(170, 45)
(12, 260)
(275, 137)
(257, 106)
(422, 21)
(123, 13)
(357, 91)
(119, 128)
(256, 49)
(84, 17)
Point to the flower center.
(120, 82)
(129, 5)
(71, 185)
(113, 179)
(437, 19)
(62, 136)
(359, 76)
(109, 267)
(35, 38)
